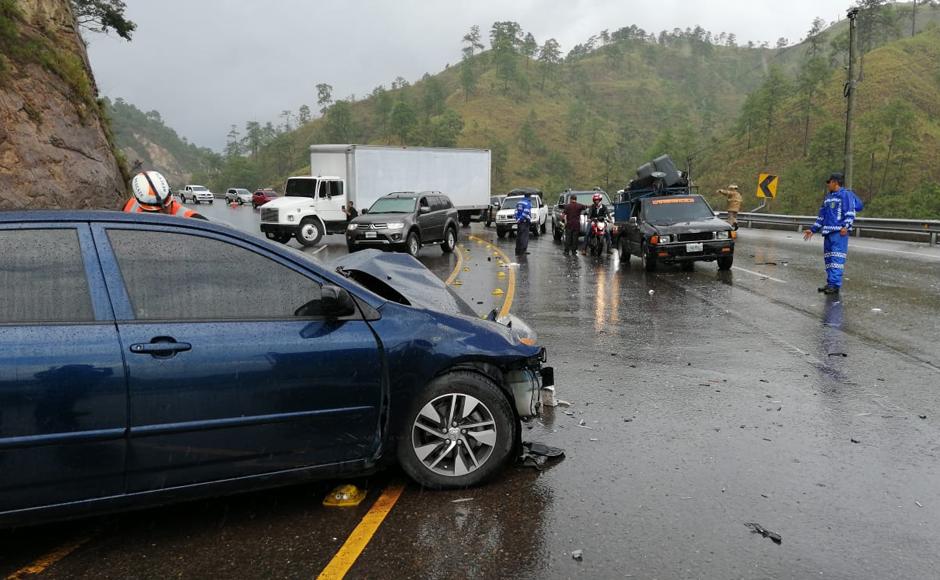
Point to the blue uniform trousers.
(835, 250)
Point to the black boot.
(831, 290)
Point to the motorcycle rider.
(597, 211)
(152, 195)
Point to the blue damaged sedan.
(134, 372)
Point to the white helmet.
(151, 190)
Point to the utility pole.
(913, 18)
(850, 97)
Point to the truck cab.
(310, 208)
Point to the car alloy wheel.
(414, 244)
(454, 435)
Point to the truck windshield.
(510, 202)
(673, 210)
(588, 198)
(393, 205)
(301, 188)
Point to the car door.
(439, 208)
(225, 378)
(63, 396)
(330, 201)
(633, 228)
(426, 219)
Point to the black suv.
(405, 220)
(673, 229)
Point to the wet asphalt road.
(709, 400)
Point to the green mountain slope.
(897, 164)
(618, 99)
(147, 143)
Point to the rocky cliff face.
(55, 151)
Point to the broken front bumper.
(526, 386)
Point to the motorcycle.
(598, 240)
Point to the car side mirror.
(334, 302)
(633, 221)
(424, 209)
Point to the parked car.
(506, 216)
(117, 394)
(197, 194)
(489, 214)
(237, 195)
(678, 229)
(262, 196)
(585, 198)
(405, 221)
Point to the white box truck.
(314, 205)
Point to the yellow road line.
(359, 538)
(511, 288)
(456, 272)
(40, 565)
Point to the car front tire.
(450, 241)
(500, 233)
(459, 432)
(649, 260)
(413, 244)
(725, 263)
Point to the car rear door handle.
(160, 347)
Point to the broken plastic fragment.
(759, 529)
(347, 495)
(578, 555)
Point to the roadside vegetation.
(727, 109)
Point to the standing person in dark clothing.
(351, 211)
(572, 214)
(523, 223)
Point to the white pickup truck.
(506, 216)
(197, 194)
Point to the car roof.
(584, 192)
(523, 190)
(652, 197)
(113, 216)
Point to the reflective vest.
(174, 208)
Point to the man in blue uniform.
(523, 223)
(835, 222)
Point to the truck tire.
(465, 220)
(543, 228)
(500, 233)
(309, 233)
(458, 457)
(413, 244)
(450, 240)
(556, 233)
(649, 260)
(725, 263)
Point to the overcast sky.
(208, 64)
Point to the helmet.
(597, 197)
(151, 190)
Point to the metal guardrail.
(884, 226)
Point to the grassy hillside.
(590, 118)
(147, 143)
(897, 167)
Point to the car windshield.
(510, 202)
(393, 205)
(588, 198)
(301, 188)
(199, 188)
(672, 210)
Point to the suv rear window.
(43, 277)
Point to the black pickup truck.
(678, 228)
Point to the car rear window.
(43, 277)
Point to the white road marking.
(778, 280)
(877, 249)
(317, 251)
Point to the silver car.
(237, 195)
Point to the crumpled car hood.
(418, 286)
